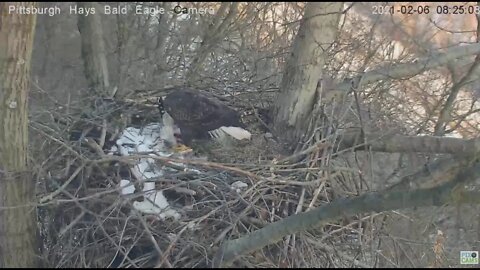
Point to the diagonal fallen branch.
(378, 202)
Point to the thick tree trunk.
(295, 103)
(17, 215)
(93, 50)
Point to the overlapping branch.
(450, 192)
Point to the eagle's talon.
(181, 148)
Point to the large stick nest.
(86, 222)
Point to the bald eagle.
(201, 117)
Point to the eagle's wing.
(211, 115)
(193, 110)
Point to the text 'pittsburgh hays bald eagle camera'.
(200, 117)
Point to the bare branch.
(411, 144)
(400, 71)
(377, 202)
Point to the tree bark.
(93, 51)
(293, 108)
(395, 143)
(18, 246)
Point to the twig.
(188, 161)
(62, 187)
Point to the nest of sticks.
(85, 221)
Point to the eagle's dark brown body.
(196, 114)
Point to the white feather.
(235, 132)
(215, 134)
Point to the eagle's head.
(170, 133)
